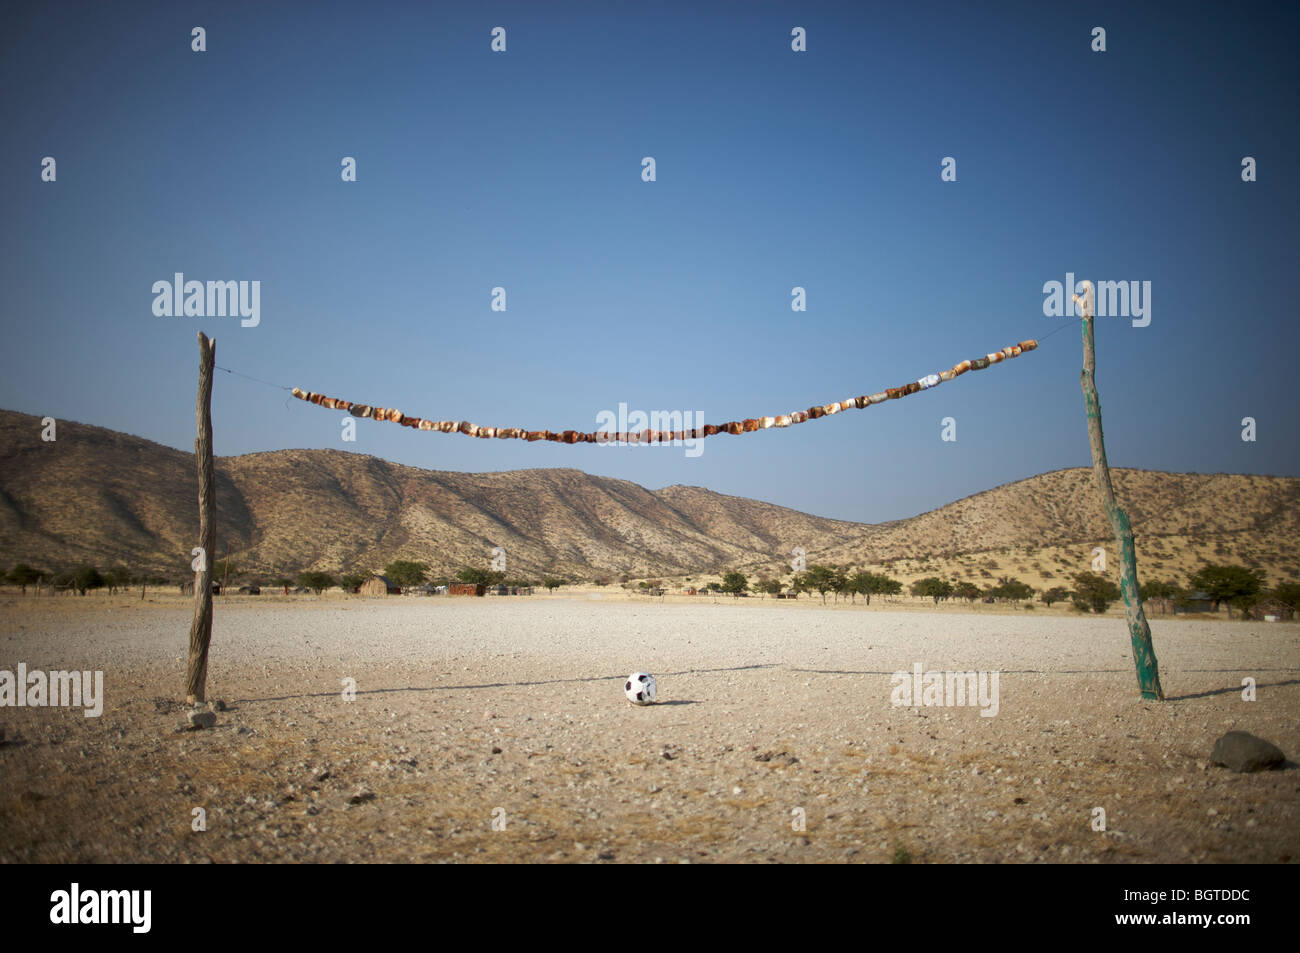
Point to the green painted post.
(1144, 653)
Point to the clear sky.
(774, 169)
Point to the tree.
(406, 573)
(474, 576)
(1230, 584)
(933, 587)
(1093, 592)
(24, 575)
(1055, 594)
(861, 584)
(854, 584)
(734, 583)
(820, 579)
(86, 577)
(350, 581)
(1288, 593)
(115, 578)
(1012, 589)
(554, 582)
(318, 582)
(771, 587)
(968, 591)
(839, 580)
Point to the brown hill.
(103, 497)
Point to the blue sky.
(775, 169)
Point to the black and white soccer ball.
(640, 688)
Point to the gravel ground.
(496, 730)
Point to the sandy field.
(496, 730)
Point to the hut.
(380, 586)
(1197, 601)
(503, 590)
(467, 589)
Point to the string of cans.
(749, 425)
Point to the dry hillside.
(103, 497)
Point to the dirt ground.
(496, 730)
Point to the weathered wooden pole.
(1144, 653)
(201, 628)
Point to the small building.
(380, 586)
(467, 589)
(689, 591)
(1195, 602)
(501, 589)
(250, 590)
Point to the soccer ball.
(640, 688)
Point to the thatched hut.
(380, 586)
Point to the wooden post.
(201, 629)
(1144, 653)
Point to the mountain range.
(106, 498)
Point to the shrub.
(1095, 591)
